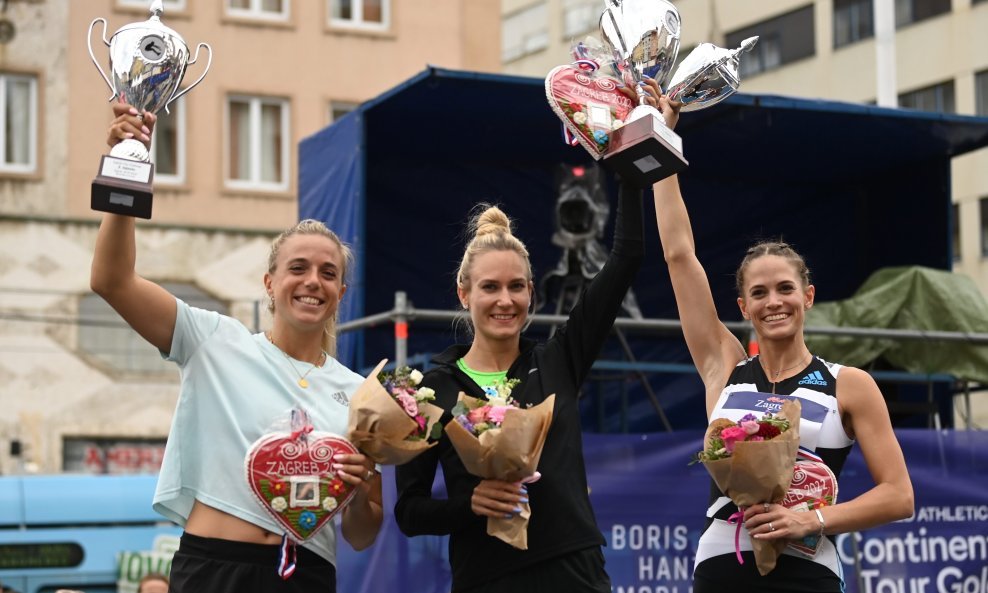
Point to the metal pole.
(401, 328)
(885, 75)
(968, 421)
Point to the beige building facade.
(78, 390)
(819, 49)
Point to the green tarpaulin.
(908, 298)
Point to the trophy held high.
(147, 64)
(639, 38)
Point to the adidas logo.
(814, 378)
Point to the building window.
(783, 39)
(168, 5)
(938, 98)
(360, 14)
(525, 32)
(258, 143)
(338, 109)
(913, 11)
(983, 203)
(981, 93)
(852, 21)
(105, 337)
(19, 126)
(955, 231)
(168, 145)
(259, 9)
(580, 16)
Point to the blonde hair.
(778, 248)
(314, 227)
(490, 228)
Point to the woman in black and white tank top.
(840, 405)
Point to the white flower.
(425, 393)
(279, 504)
(329, 503)
(415, 376)
(580, 117)
(616, 124)
(497, 401)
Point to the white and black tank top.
(820, 432)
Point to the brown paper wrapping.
(510, 453)
(378, 425)
(759, 472)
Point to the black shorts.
(223, 566)
(791, 574)
(581, 571)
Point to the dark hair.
(779, 248)
(151, 576)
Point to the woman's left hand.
(774, 521)
(665, 105)
(355, 469)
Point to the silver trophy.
(644, 38)
(147, 63)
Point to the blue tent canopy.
(854, 188)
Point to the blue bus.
(69, 532)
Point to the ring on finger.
(770, 526)
(369, 475)
(767, 506)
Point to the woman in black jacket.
(494, 285)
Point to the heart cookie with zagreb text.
(590, 107)
(292, 477)
(813, 486)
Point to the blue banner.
(650, 507)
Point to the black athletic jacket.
(562, 520)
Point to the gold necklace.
(779, 372)
(302, 382)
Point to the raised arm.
(714, 349)
(145, 306)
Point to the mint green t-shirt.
(236, 386)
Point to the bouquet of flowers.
(391, 420)
(751, 461)
(498, 440)
(723, 435)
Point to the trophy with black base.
(640, 39)
(147, 63)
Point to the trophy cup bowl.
(148, 62)
(644, 37)
(708, 75)
(644, 34)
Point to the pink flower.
(478, 415)
(496, 414)
(732, 435)
(749, 426)
(421, 421)
(408, 402)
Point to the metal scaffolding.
(405, 313)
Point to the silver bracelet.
(819, 516)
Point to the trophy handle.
(92, 56)
(198, 80)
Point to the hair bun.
(492, 220)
